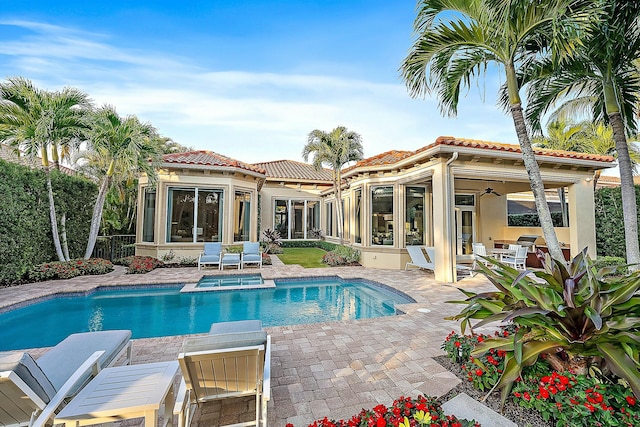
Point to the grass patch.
(306, 257)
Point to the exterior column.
(582, 222)
(442, 238)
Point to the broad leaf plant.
(575, 315)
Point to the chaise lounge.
(32, 391)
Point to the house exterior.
(437, 195)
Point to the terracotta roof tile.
(386, 158)
(472, 143)
(208, 158)
(290, 169)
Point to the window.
(194, 215)
(414, 217)
(382, 216)
(357, 232)
(242, 217)
(149, 215)
(296, 219)
(330, 210)
(522, 212)
(345, 218)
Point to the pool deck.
(329, 369)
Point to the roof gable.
(290, 169)
(208, 158)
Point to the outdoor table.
(124, 392)
(499, 253)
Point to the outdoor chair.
(211, 255)
(232, 361)
(33, 391)
(518, 261)
(480, 255)
(418, 259)
(251, 254)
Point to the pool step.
(193, 287)
(464, 406)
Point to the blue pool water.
(162, 311)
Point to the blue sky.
(247, 79)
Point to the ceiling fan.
(490, 190)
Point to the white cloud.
(250, 116)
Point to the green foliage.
(273, 241)
(608, 261)
(141, 264)
(69, 269)
(25, 228)
(532, 220)
(305, 257)
(610, 238)
(568, 313)
(341, 255)
(327, 246)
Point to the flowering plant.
(142, 264)
(405, 412)
(69, 269)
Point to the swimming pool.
(162, 310)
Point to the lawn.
(306, 257)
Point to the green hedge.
(327, 246)
(25, 230)
(610, 239)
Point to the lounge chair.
(480, 255)
(232, 361)
(251, 254)
(33, 391)
(418, 259)
(519, 260)
(211, 255)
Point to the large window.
(330, 223)
(414, 217)
(296, 219)
(195, 215)
(345, 218)
(242, 217)
(357, 200)
(382, 227)
(522, 212)
(149, 215)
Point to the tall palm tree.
(459, 39)
(604, 74)
(334, 149)
(120, 148)
(35, 120)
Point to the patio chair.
(480, 255)
(418, 259)
(232, 361)
(519, 261)
(211, 255)
(33, 391)
(251, 254)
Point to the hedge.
(610, 238)
(25, 230)
(327, 246)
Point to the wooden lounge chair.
(31, 392)
(232, 361)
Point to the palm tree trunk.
(54, 221)
(63, 235)
(629, 204)
(97, 217)
(537, 186)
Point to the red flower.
(526, 396)
(381, 422)
(480, 339)
(457, 344)
(589, 407)
(552, 389)
(544, 393)
(289, 425)
(479, 372)
(631, 400)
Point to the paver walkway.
(326, 369)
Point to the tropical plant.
(459, 39)
(575, 315)
(334, 149)
(34, 121)
(119, 149)
(603, 76)
(273, 241)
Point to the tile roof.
(290, 169)
(208, 158)
(473, 143)
(8, 153)
(386, 158)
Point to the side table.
(124, 392)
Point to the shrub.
(573, 315)
(341, 255)
(266, 259)
(405, 412)
(69, 269)
(610, 237)
(606, 261)
(273, 241)
(143, 264)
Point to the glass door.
(465, 231)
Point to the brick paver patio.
(325, 369)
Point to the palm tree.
(120, 148)
(603, 74)
(459, 39)
(34, 120)
(334, 149)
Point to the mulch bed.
(521, 416)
